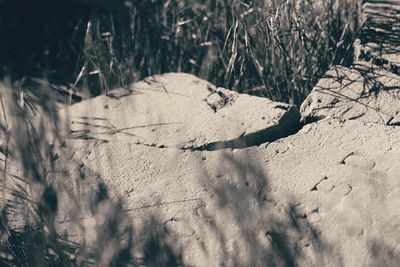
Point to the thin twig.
(7, 143)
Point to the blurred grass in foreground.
(51, 212)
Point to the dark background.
(41, 37)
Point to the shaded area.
(383, 254)
(364, 90)
(267, 231)
(288, 124)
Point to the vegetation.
(278, 49)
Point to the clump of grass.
(277, 49)
(282, 48)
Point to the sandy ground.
(182, 173)
(324, 196)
